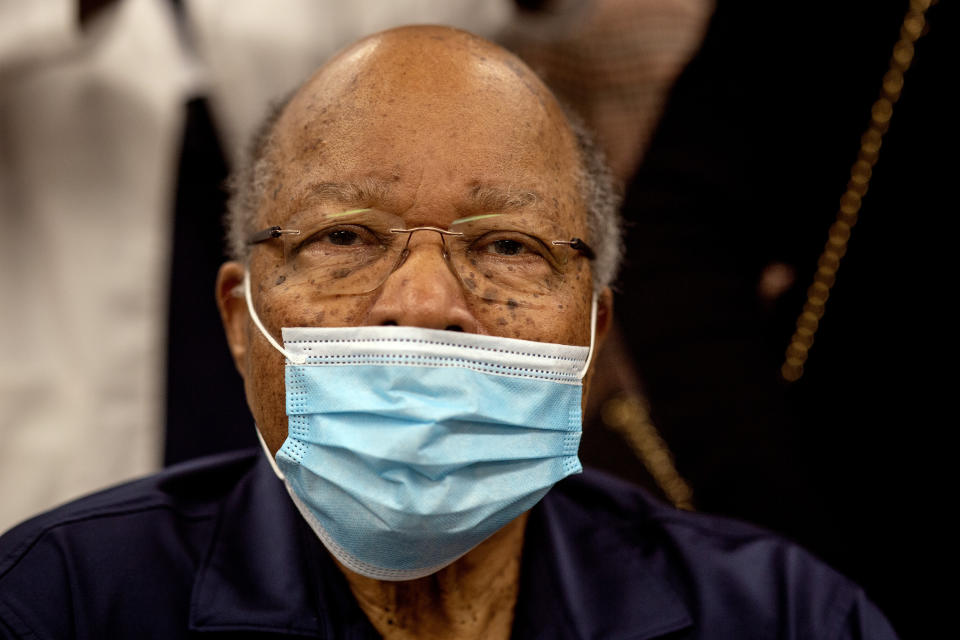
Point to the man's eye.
(355, 236)
(507, 247)
(343, 237)
(508, 244)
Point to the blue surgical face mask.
(407, 447)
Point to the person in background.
(119, 121)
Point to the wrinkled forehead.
(435, 108)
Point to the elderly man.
(423, 245)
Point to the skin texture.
(420, 118)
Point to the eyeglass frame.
(271, 233)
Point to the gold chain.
(629, 416)
(839, 235)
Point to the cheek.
(281, 303)
(560, 319)
(265, 388)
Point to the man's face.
(415, 123)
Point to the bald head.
(419, 107)
(438, 72)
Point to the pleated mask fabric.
(407, 447)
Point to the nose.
(423, 291)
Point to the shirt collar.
(267, 571)
(595, 575)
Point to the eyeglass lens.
(496, 258)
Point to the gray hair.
(601, 197)
(248, 184)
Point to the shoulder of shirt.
(705, 544)
(727, 572)
(191, 490)
(616, 499)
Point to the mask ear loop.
(593, 336)
(292, 357)
(266, 452)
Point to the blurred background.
(732, 127)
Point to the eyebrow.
(488, 198)
(362, 192)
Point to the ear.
(604, 324)
(604, 316)
(233, 311)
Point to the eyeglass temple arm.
(578, 245)
(270, 233)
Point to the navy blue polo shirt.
(216, 546)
